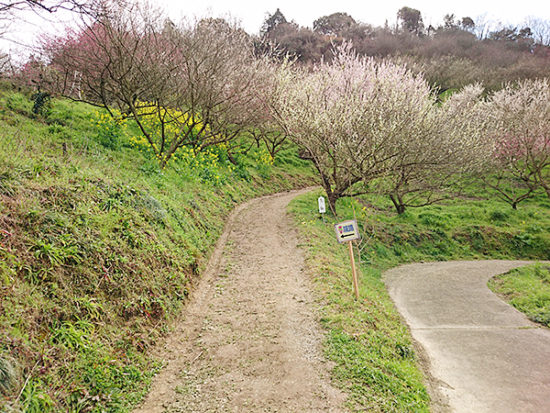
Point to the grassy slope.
(374, 357)
(528, 290)
(98, 250)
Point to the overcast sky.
(252, 13)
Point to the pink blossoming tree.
(194, 79)
(520, 131)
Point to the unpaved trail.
(484, 355)
(249, 339)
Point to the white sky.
(252, 13)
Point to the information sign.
(347, 231)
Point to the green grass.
(99, 249)
(375, 361)
(528, 290)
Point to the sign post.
(353, 271)
(348, 231)
(322, 207)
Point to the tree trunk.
(332, 198)
(331, 195)
(400, 208)
(231, 158)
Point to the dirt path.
(249, 340)
(484, 355)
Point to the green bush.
(41, 102)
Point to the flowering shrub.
(164, 127)
(353, 116)
(109, 128)
(206, 165)
(140, 143)
(167, 130)
(186, 85)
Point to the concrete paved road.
(484, 355)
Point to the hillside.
(100, 247)
(456, 52)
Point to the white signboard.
(322, 207)
(347, 231)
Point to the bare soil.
(249, 339)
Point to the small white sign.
(347, 231)
(322, 207)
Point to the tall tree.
(334, 24)
(449, 22)
(410, 20)
(540, 29)
(467, 23)
(272, 21)
(299, 42)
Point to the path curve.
(483, 355)
(249, 340)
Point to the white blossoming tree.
(263, 125)
(349, 114)
(437, 145)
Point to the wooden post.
(354, 271)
